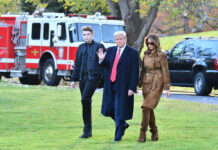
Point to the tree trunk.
(113, 8)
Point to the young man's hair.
(87, 28)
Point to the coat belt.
(153, 71)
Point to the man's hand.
(73, 84)
(167, 93)
(130, 93)
(101, 54)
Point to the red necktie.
(114, 69)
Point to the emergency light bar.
(96, 16)
(53, 15)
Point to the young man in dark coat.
(122, 71)
(88, 72)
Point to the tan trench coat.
(154, 77)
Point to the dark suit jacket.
(127, 78)
(94, 69)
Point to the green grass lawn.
(40, 117)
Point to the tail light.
(216, 64)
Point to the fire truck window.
(36, 27)
(23, 29)
(108, 32)
(96, 28)
(63, 31)
(46, 31)
(73, 33)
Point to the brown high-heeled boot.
(153, 126)
(144, 124)
(154, 136)
(142, 136)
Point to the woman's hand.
(167, 93)
(73, 84)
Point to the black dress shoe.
(116, 140)
(125, 127)
(86, 135)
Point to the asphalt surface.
(189, 96)
(180, 95)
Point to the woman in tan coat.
(154, 78)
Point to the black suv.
(193, 62)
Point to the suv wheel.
(200, 84)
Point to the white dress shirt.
(122, 49)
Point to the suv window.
(207, 48)
(189, 50)
(177, 50)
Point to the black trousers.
(87, 89)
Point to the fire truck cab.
(35, 48)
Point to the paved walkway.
(212, 99)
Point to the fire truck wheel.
(30, 80)
(49, 74)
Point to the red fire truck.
(35, 48)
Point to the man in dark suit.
(122, 71)
(88, 72)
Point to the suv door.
(186, 62)
(173, 63)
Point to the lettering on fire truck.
(44, 48)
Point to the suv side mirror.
(167, 53)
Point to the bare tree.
(191, 16)
(137, 25)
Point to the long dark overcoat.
(127, 78)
